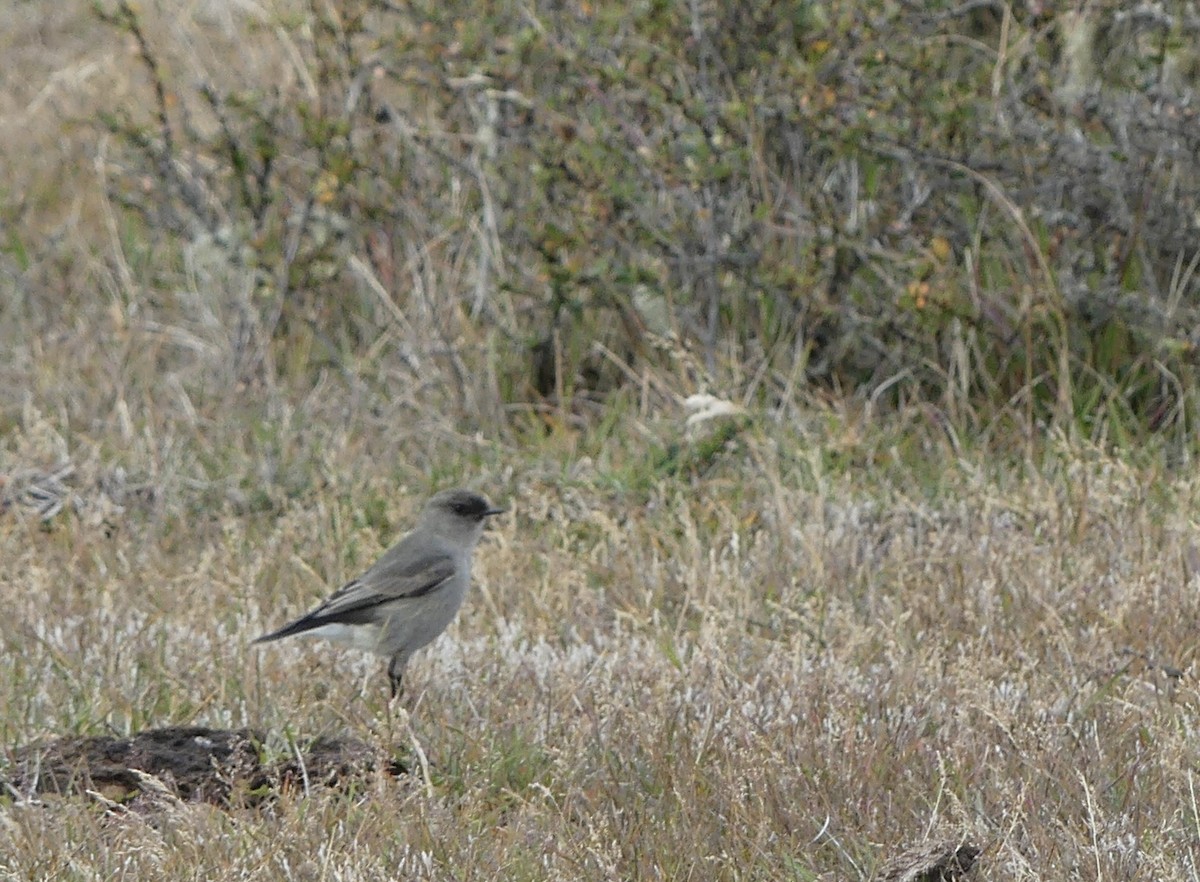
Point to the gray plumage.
(411, 593)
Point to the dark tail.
(297, 627)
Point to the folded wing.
(393, 578)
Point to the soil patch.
(193, 763)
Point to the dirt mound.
(946, 861)
(193, 763)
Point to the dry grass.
(790, 655)
(763, 673)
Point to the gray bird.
(411, 593)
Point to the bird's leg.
(395, 671)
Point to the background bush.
(993, 210)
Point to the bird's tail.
(297, 627)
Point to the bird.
(412, 593)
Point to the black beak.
(492, 512)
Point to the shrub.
(990, 211)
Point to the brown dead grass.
(756, 674)
(837, 639)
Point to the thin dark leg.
(395, 672)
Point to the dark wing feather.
(354, 603)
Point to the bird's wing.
(391, 579)
(394, 577)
